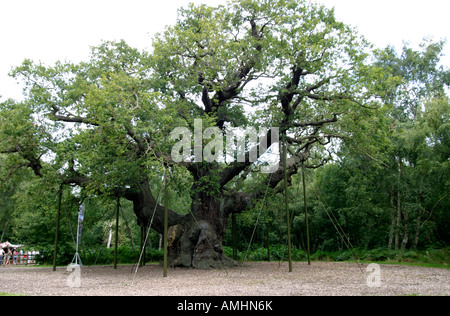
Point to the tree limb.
(70, 118)
(237, 167)
(317, 123)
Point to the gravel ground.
(254, 279)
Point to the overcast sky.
(51, 30)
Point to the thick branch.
(237, 167)
(147, 208)
(12, 171)
(317, 123)
(33, 162)
(141, 144)
(289, 92)
(238, 202)
(238, 78)
(70, 118)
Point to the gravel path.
(254, 279)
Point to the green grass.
(10, 294)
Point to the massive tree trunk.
(194, 240)
(197, 242)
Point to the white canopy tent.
(9, 245)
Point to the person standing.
(15, 254)
(2, 253)
(8, 256)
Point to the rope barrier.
(339, 230)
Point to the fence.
(19, 259)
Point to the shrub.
(346, 255)
(155, 255)
(259, 254)
(379, 254)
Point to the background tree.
(423, 83)
(393, 191)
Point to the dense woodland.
(367, 133)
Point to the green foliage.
(437, 257)
(99, 255)
(277, 253)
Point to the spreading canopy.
(105, 124)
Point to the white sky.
(51, 30)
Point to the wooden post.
(166, 224)
(142, 237)
(288, 220)
(306, 214)
(58, 215)
(145, 245)
(116, 242)
(268, 241)
(233, 218)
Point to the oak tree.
(105, 124)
